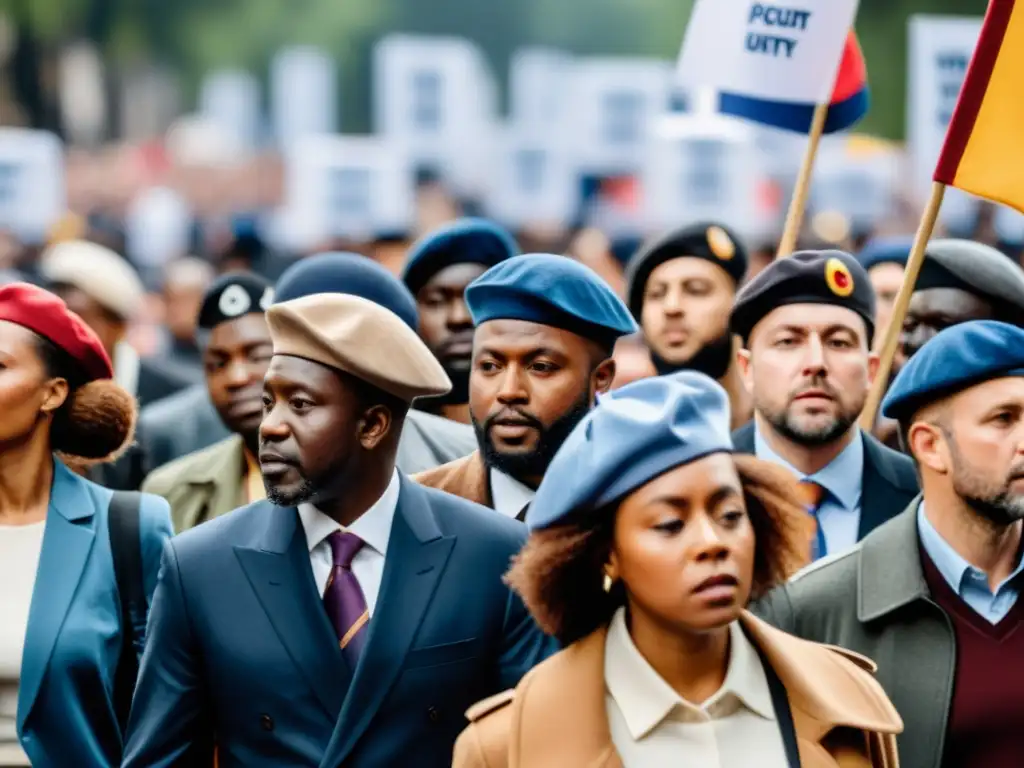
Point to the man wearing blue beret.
(806, 323)
(932, 595)
(437, 271)
(546, 327)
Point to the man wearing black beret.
(438, 269)
(933, 595)
(680, 289)
(236, 349)
(806, 323)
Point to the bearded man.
(932, 596)
(806, 323)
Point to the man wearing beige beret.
(354, 616)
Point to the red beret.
(39, 310)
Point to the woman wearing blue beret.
(648, 539)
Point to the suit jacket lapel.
(67, 542)
(877, 488)
(743, 438)
(416, 558)
(282, 578)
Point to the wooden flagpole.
(798, 203)
(899, 310)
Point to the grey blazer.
(873, 599)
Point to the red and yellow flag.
(984, 149)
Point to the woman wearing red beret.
(74, 589)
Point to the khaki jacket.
(465, 478)
(555, 717)
(202, 485)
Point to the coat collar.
(889, 572)
(823, 693)
(213, 484)
(466, 477)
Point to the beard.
(550, 438)
(993, 501)
(293, 495)
(788, 425)
(713, 359)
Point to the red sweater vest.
(985, 728)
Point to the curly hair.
(559, 572)
(96, 423)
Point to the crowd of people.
(450, 503)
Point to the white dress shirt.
(373, 527)
(508, 494)
(653, 727)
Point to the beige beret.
(361, 338)
(96, 271)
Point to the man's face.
(531, 384)
(886, 279)
(110, 328)
(686, 306)
(935, 309)
(445, 323)
(808, 369)
(235, 361)
(308, 434)
(985, 434)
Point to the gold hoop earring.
(608, 583)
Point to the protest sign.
(535, 181)
(158, 227)
(783, 51)
(32, 193)
(538, 84)
(350, 187)
(231, 99)
(303, 94)
(858, 182)
(613, 104)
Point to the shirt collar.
(842, 477)
(373, 526)
(645, 699)
(508, 495)
(953, 567)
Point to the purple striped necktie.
(343, 598)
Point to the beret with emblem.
(807, 277)
(707, 240)
(233, 295)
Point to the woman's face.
(25, 389)
(683, 547)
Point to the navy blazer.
(66, 710)
(241, 653)
(888, 483)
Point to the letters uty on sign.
(780, 18)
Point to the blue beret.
(633, 435)
(466, 241)
(550, 290)
(351, 274)
(953, 360)
(885, 250)
(232, 295)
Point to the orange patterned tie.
(812, 495)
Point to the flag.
(849, 102)
(984, 149)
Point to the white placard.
(704, 167)
(861, 185)
(781, 51)
(437, 100)
(347, 186)
(231, 99)
(32, 191)
(539, 80)
(303, 93)
(614, 105)
(940, 49)
(158, 227)
(535, 181)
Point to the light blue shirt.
(839, 513)
(967, 581)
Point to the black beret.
(706, 240)
(233, 295)
(806, 277)
(467, 241)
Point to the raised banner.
(32, 192)
(535, 183)
(231, 99)
(303, 94)
(776, 51)
(613, 106)
(346, 187)
(539, 79)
